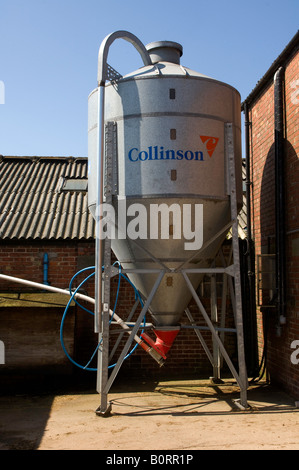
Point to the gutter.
(266, 80)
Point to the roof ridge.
(41, 157)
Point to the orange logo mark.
(211, 143)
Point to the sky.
(49, 53)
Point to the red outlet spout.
(164, 339)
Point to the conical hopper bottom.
(173, 294)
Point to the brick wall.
(25, 260)
(31, 334)
(261, 115)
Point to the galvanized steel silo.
(170, 149)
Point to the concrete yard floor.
(181, 415)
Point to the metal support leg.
(214, 318)
(231, 271)
(103, 410)
(236, 260)
(133, 333)
(103, 351)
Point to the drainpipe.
(251, 325)
(250, 244)
(46, 268)
(280, 198)
(247, 182)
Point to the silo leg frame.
(104, 383)
(233, 271)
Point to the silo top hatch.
(165, 51)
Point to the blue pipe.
(73, 294)
(46, 268)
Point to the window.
(74, 184)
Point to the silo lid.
(168, 51)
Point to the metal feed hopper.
(165, 182)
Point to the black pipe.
(247, 257)
(280, 197)
(247, 182)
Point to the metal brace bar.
(206, 328)
(120, 336)
(229, 270)
(200, 337)
(213, 331)
(205, 245)
(133, 333)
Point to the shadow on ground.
(24, 413)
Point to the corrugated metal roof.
(33, 204)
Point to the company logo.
(211, 143)
(158, 152)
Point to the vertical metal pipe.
(102, 75)
(249, 300)
(279, 196)
(99, 202)
(46, 269)
(247, 160)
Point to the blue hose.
(72, 298)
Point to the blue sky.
(49, 49)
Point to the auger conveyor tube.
(154, 354)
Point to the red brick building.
(272, 148)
